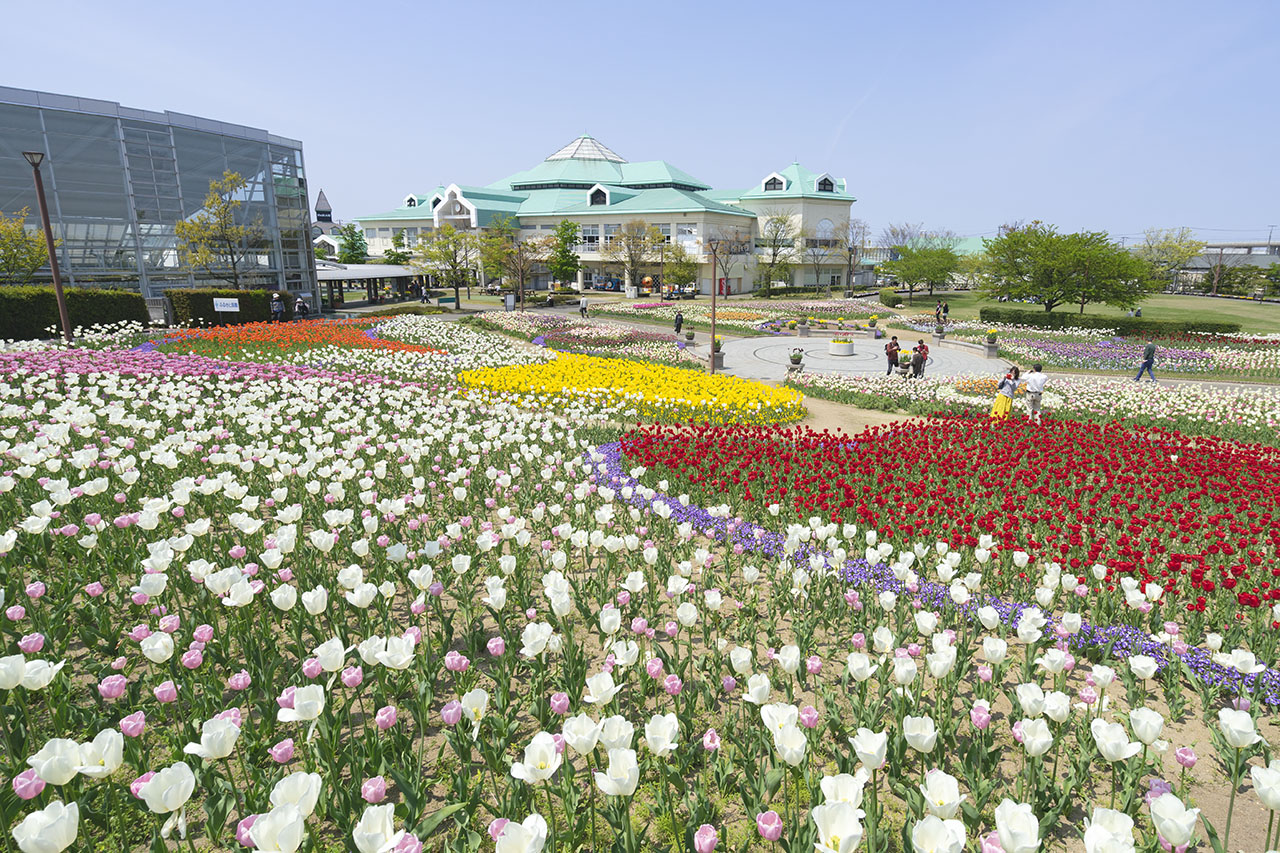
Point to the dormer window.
(599, 196)
(435, 201)
(826, 186)
(772, 185)
(413, 202)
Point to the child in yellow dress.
(1004, 395)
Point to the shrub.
(408, 308)
(889, 296)
(26, 313)
(196, 306)
(1122, 325)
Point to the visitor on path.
(937, 313)
(300, 309)
(891, 352)
(679, 321)
(1004, 394)
(277, 308)
(1035, 382)
(582, 307)
(946, 309)
(1148, 362)
(919, 358)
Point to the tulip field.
(402, 585)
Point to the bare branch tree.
(851, 238)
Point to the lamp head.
(35, 158)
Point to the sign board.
(509, 301)
(226, 304)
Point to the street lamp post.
(35, 158)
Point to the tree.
(728, 248)
(818, 248)
(851, 239)
(1168, 250)
(779, 243)
(450, 256)
(1221, 265)
(632, 248)
(352, 248)
(1242, 280)
(932, 266)
(216, 240)
(681, 267)
(562, 261)
(504, 254)
(1272, 276)
(322, 251)
(397, 254)
(22, 252)
(1034, 262)
(973, 270)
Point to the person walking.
(946, 309)
(891, 352)
(277, 308)
(679, 321)
(582, 307)
(937, 313)
(1004, 395)
(1035, 382)
(1148, 362)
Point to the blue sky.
(1098, 115)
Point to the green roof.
(662, 200)
(800, 183)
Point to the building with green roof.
(588, 183)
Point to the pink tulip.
(1186, 756)
(352, 676)
(35, 590)
(192, 659)
(451, 713)
(112, 687)
(1088, 695)
(991, 843)
(242, 831)
(31, 643)
(139, 598)
(672, 684)
(413, 632)
(285, 699)
(236, 552)
(809, 717)
(654, 667)
(311, 668)
(27, 785)
(455, 661)
(705, 839)
(1240, 703)
(980, 717)
(1156, 787)
(119, 663)
(711, 740)
(408, 844)
(285, 575)
(166, 692)
(94, 589)
(859, 641)
(135, 787)
(496, 646)
(984, 673)
(232, 714)
(202, 634)
(559, 703)
(560, 743)
(385, 718)
(624, 598)
(374, 790)
(170, 623)
(769, 825)
(639, 625)
(1017, 731)
(282, 753)
(134, 724)
(496, 827)
(729, 683)
(435, 590)
(813, 665)
(239, 681)
(913, 650)
(672, 629)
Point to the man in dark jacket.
(891, 352)
(1148, 362)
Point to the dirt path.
(840, 417)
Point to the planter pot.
(688, 336)
(992, 350)
(873, 333)
(717, 358)
(840, 348)
(802, 331)
(796, 360)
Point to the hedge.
(196, 306)
(1122, 325)
(889, 296)
(26, 313)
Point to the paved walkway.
(768, 358)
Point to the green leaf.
(432, 821)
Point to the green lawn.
(1252, 316)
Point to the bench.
(446, 300)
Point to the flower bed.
(643, 392)
(1248, 415)
(749, 315)
(592, 337)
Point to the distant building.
(118, 180)
(589, 184)
(324, 223)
